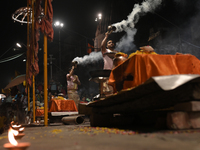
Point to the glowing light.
(21, 129)
(18, 45)
(11, 137)
(58, 24)
(16, 126)
(100, 16)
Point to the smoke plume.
(126, 42)
(138, 10)
(129, 24)
(87, 63)
(92, 58)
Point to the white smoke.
(129, 24)
(138, 10)
(93, 57)
(126, 42)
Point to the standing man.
(107, 47)
(72, 86)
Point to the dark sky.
(77, 16)
(10, 34)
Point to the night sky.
(78, 17)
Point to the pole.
(51, 67)
(33, 53)
(45, 73)
(59, 51)
(27, 56)
(51, 64)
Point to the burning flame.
(21, 129)
(11, 137)
(16, 126)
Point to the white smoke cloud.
(126, 43)
(93, 57)
(138, 10)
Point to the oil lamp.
(19, 136)
(16, 127)
(20, 131)
(14, 145)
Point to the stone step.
(188, 106)
(183, 120)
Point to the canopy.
(16, 81)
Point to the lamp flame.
(21, 129)
(11, 137)
(16, 126)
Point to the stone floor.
(74, 137)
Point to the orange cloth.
(57, 105)
(144, 66)
(142, 52)
(90, 47)
(39, 112)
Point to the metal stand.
(99, 80)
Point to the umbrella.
(16, 81)
(2, 96)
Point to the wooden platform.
(149, 96)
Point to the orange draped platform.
(39, 112)
(62, 105)
(58, 106)
(144, 66)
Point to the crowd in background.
(15, 106)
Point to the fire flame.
(21, 129)
(11, 137)
(16, 126)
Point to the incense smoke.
(87, 63)
(138, 10)
(126, 43)
(92, 58)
